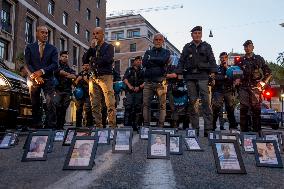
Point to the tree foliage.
(277, 72)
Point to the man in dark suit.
(42, 60)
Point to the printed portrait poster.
(103, 136)
(174, 144)
(122, 140)
(266, 153)
(37, 147)
(81, 153)
(192, 143)
(227, 156)
(158, 145)
(248, 146)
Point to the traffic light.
(267, 93)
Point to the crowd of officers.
(150, 75)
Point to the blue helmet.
(234, 72)
(78, 93)
(119, 86)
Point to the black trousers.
(250, 104)
(84, 105)
(49, 91)
(218, 100)
(62, 102)
(133, 109)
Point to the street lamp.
(117, 43)
(282, 98)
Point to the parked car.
(269, 117)
(15, 102)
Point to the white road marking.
(103, 163)
(159, 175)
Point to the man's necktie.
(41, 49)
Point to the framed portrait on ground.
(191, 132)
(267, 153)
(5, 141)
(143, 134)
(103, 136)
(122, 140)
(227, 156)
(70, 133)
(277, 136)
(37, 147)
(172, 131)
(176, 144)
(158, 145)
(81, 154)
(59, 135)
(15, 138)
(83, 132)
(246, 138)
(192, 144)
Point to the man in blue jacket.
(155, 62)
(42, 60)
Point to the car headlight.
(4, 82)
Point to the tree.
(277, 72)
(280, 59)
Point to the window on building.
(133, 33)
(97, 22)
(106, 36)
(133, 47)
(3, 49)
(117, 35)
(50, 7)
(150, 35)
(50, 36)
(65, 18)
(98, 3)
(75, 55)
(5, 17)
(88, 14)
(117, 66)
(63, 44)
(130, 62)
(87, 35)
(78, 4)
(29, 38)
(77, 27)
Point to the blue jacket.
(155, 62)
(49, 61)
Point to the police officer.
(223, 92)
(63, 89)
(83, 104)
(134, 80)
(251, 86)
(197, 63)
(155, 62)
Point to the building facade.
(132, 35)
(69, 23)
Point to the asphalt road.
(122, 171)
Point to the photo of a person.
(122, 140)
(192, 144)
(158, 145)
(59, 136)
(266, 153)
(227, 156)
(103, 136)
(248, 146)
(81, 153)
(70, 136)
(273, 137)
(144, 132)
(37, 147)
(174, 144)
(191, 133)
